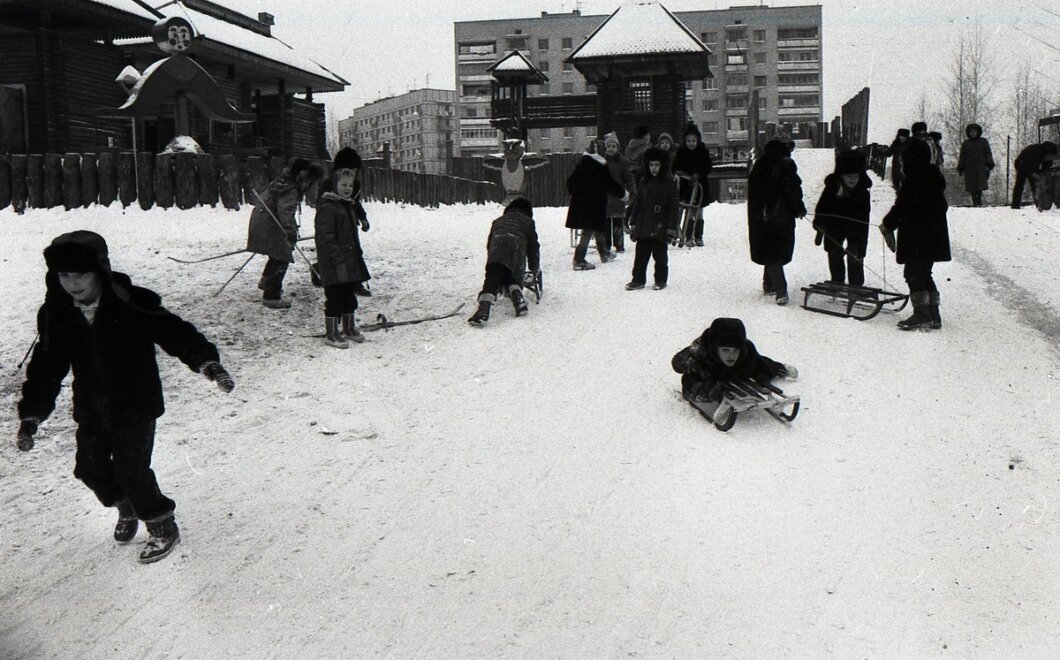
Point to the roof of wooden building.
(639, 28)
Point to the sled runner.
(534, 282)
(689, 213)
(848, 300)
(744, 395)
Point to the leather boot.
(127, 524)
(332, 334)
(482, 314)
(933, 309)
(921, 317)
(350, 330)
(164, 535)
(518, 301)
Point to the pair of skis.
(383, 323)
(744, 395)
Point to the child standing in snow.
(512, 247)
(842, 216)
(692, 165)
(589, 186)
(621, 172)
(339, 219)
(654, 220)
(97, 323)
(774, 201)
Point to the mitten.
(800, 211)
(364, 223)
(218, 374)
(888, 238)
(26, 429)
(788, 372)
(819, 238)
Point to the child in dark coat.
(692, 164)
(721, 354)
(589, 186)
(95, 322)
(655, 219)
(512, 247)
(842, 216)
(774, 201)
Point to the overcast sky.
(898, 48)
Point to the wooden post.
(127, 188)
(145, 189)
(5, 181)
(53, 180)
(229, 182)
(108, 179)
(89, 179)
(35, 181)
(187, 187)
(19, 191)
(164, 180)
(71, 181)
(207, 180)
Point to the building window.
(797, 56)
(710, 127)
(470, 111)
(567, 43)
(475, 90)
(735, 59)
(710, 105)
(543, 65)
(736, 80)
(800, 101)
(760, 81)
(568, 88)
(784, 34)
(762, 102)
(638, 96)
(735, 34)
(568, 67)
(735, 102)
(799, 79)
(710, 37)
(542, 44)
(736, 123)
(517, 43)
(759, 36)
(710, 83)
(478, 48)
(760, 58)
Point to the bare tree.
(968, 89)
(1026, 105)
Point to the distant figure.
(1029, 163)
(975, 163)
(936, 137)
(666, 143)
(920, 132)
(513, 165)
(897, 147)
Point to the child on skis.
(339, 219)
(842, 216)
(654, 220)
(512, 247)
(97, 323)
(273, 227)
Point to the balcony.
(737, 89)
(480, 78)
(738, 45)
(736, 68)
(479, 142)
(795, 89)
(475, 99)
(736, 136)
(808, 111)
(812, 65)
(799, 43)
(736, 112)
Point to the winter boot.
(350, 330)
(933, 309)
(333, 334)
(125, 529)
(482, 314)
(634, 285)
(164, 536)
(518, 301)
(363, 290)
(583, 265)
(279, 302)
(921, 318)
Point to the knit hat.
(346, 159)
(611, 138)
(850, 162)
(665, 136)
(79, 251)
(919, 127)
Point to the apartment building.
(774, 50)
(419, 126)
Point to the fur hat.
(919, 127)
(313, 171)
(903, 132)
(850, 162)
(611, 138)
(692, 129)
(936, 136)
(976, 127)
(656, 154)
(346, 159)
(725, 332)
(917, 154)
(79, 251)
(522, 205)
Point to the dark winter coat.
(338, 242)
(620, 171)
(589, 185)
(896, 149)
(697, 164)
(919, 211)
(656, 208)
(842, 218)
(701, 368)
(513, 244)
(774, 201)
(975, 160)
(266, 236)
(113, 359)
(1032, 159)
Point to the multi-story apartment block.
(419, 126)
(774, 50)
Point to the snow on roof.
(229, 34)
(513, 61)
(639, 28)
(128, 6)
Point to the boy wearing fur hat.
(654, 221)
(512, 248)
(621, 172)
(589, 186)
(339, 219)
(692, 165)
(842, 216)
(95, 322)
(273, 227)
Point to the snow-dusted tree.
(968, 89)
(1026, 105)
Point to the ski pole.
(28, 351)
(280, 225)
(238, 271)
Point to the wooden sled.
(851, 301)
(744, 395)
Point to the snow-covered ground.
(538, 487)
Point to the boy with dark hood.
(692, 165)
(95, 322)
(654, 221)
(1029, 163)
(842, 216)
(273, 227)
(723, 353)
(919, 217)
(975, 163)
(512, 249)
(774, 201)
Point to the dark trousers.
(918, 276)
(773, 279)
(849, 261)
(1017, 190)
(340, 299)
(977, 197)
(651, 248)
(271, 282)
(498, 279)
(618, 232)
(114, 460)
(583, 244)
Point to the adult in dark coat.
(692, 164)
(589, 185)
(774, 201)
(975, 162)
(919, 217)
(511, 248)
(1029, 162)
(273, 227)
(895, 152)
(95, 322)
(654, 220)
(341, 266)
(841, 218)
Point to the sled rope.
(883, 277)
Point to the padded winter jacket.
(513, 244)
(273, 227)
(919, 211)
(621, 173)
(589, 185)
(841, 218)
(701, 368)
(656, 208)
(697, 164)
(338, 242)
